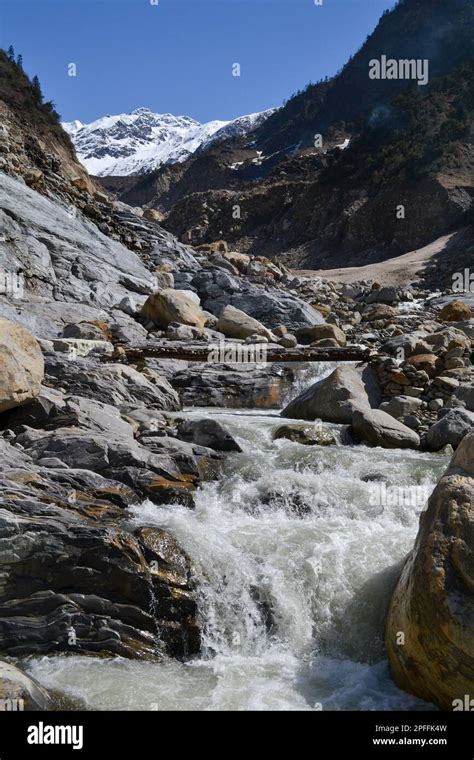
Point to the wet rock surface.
(433, 603)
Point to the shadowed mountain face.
(393, 167)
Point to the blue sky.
(177, 56)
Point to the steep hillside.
(344, 207)
(43, 153)
(440, 32)
(387, 144)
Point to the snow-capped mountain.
(140, 141)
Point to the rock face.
(21, 692)
(228, 385)
(236, 324)
(381, 429)
(75, 579)
(334, 399)
(433, 603)
(21, 366)
(168, 306)
(62, 254)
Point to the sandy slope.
(449, 252)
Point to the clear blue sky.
(176, 56)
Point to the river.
(295, 567)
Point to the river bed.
(295, 565)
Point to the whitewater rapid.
(295, 570)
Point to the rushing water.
(296, 569)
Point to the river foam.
(295, 571)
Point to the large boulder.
(333, 399)
(234, 323)
(378, 428)
(450, 429)
(168, 306)
(21, 366)
(429, 634)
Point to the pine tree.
(19, 61)
(11, 53)
(35, 83)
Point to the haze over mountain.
(140, 141)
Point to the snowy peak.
(140, 141)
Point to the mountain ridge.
(142, 140)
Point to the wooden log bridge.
(207, 352)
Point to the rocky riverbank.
(87, 435)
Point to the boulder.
(185, 333)
(455, 311)
(168, 306)
(307, 335)
(376, 312)
(236, 324)
(86, 331)
(451, 428)
(399, 406)
(451, 337)
(21, 366)
(333, 399)
(407, 345)
(429, 635)
(309, 435)
(208, 433)
(19, 692)
(64, 255)
(388, 295)
(381, 429)
(463, 396)
(288, 341)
